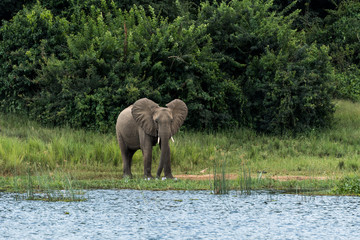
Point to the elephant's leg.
(126, 155)
(130, 157)
(167, 170)
(147, 155)
(160, 168)
(126, 163)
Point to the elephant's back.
(125, 117)
(127, 128)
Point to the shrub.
(290, 90)
(238, 63)
(340, 30)
(25, 40)
(286, 84)
(348, 83)
(116, 59)
(8, 8)
(342, 27)
(348, 186)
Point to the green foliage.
(348, 83)
(25, 40)
(170, 9)
(115, 60)
(84, 80)
(348, 186)
(8, 8)
(343, 26)
(340, 31)
(290, 90)
(286, 84)
(234, 63)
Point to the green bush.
(286, 84)
(290, 90)
(78, 89)
(117, 59)
(170, 9)
(348, 83)
(340, 31)
(235, 63)
(25, 41)
(8, 8)
(348, 185)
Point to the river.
(134, 214)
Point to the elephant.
(145, 124)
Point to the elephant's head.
(160, 122)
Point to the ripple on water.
(132, 214)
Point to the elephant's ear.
(142, 111)
(179, 112)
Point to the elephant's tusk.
(158, 140)
(172, 139)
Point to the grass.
(220, 183)
(93, 159)
(46, 187)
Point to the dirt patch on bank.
(204, 176)
(233, 176)
(297, 178)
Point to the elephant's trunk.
(164, 158)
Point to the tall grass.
(25, 142)
(245, 179)
(326, 152)
(53, 186)
(220, 182)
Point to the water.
(131, 214)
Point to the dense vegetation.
(268, 65)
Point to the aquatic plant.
(220, 183)
(245, 178)
(51, 187)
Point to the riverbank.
(68, 158)
(66, 181)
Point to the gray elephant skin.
(145, 124)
